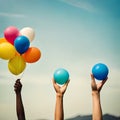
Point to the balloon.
(11, 33)
(7, 50)
(28, 32)
(21, 44)
(100, 71)
(16, 65)
(32, 55)
(2, 40)
(61, 76)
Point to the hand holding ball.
(100, 71)
(61, 76)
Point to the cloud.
(80, 4)
(15, 15)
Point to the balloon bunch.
(15, 47)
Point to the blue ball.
(21, 44)
(100, 71)
(61, 76)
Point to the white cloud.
(80, 4)
(11, 15)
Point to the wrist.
(60, 95)
(18, 93)
(95, 93)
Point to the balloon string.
(21, 75)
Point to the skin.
(96, 88)
(60, 90)
(19, 103)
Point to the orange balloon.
(2, 40)
(32, 55)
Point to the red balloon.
(10, 33)
(32, 55)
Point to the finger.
(103, 81)
(93, 83)
(92, 76)
(15, 86)
(93, 79)
(18, 84)
(55, 85)
(100, 85)
(15, 89)
(53, 81)
(18, 80)
(66, 84)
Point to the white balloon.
(28, 32)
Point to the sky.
(72, 34)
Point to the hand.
(17, 86)
(97, 87)
(60, 90)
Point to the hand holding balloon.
(61, 76)
(100, 71)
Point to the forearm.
(59, 110)
(19, 107)
(97, 111)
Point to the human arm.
(19, 103)
(96, 88)
(59, 109)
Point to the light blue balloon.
(21, 44)
(100, 71)
(61, 76)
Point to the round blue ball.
(100, 71)
(61, 76)
(21, 44)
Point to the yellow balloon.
(7, 50)
(2, 40)
(16, 65)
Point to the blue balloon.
(21, 44)
(61, 76)
(100, 71)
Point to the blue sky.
(73, 34)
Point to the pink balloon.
(10, 33)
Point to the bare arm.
(96, 88)
(19, 104)
(59, 109)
